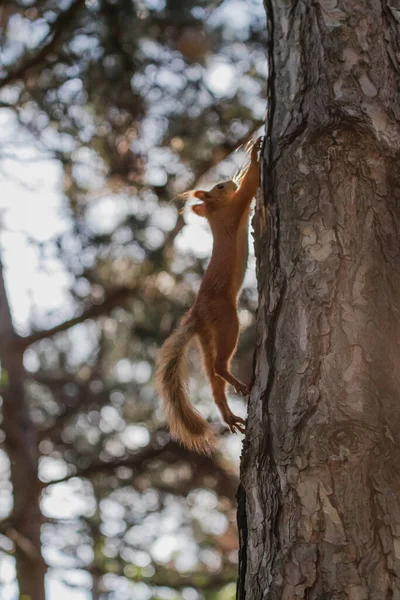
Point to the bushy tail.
(185, 423)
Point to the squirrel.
(213, 318)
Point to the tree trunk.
(21, 446)
(319, 503)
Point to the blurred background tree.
(108, 110)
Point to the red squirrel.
(213, 318)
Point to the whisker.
(182, 196)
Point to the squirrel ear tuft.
(199, 209)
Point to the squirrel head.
(214, 200)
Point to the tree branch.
(203, 580)
(226, 482)
(70, 407)
(51, 41)
(149, 453)
(94, 311)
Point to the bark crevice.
(320, 467)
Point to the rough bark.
(319, 501)
(21, 446)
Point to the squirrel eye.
(220, 186)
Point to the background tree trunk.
(24, 525)
(319, 504)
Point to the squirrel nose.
(201, 195)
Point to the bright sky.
(30, 206)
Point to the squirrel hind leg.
(234, 422)
(226, 338)
(218, 386)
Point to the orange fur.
(213, 317)
(186, 424)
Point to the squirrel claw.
(257, 145)
(236, 424)
(242, 389)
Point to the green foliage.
(132, 102)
